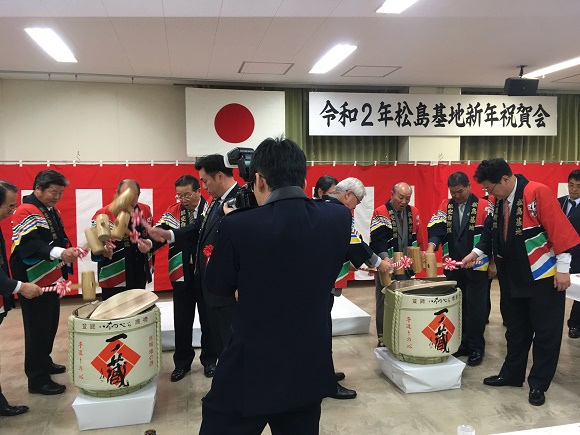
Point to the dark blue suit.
(283, 258)
(7, 286)
(574, 218)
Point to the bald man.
(395, 225)
(124, 267)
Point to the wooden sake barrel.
(113, 357)
(422, 320)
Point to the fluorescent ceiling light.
(51, 43)
(550, 69)
(395, 6)
(334, 56)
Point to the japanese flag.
(218, 120)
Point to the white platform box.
(420, 378)
(167, 330)
(102, 412)
(347, 319)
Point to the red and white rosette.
(207, 250)
(403, 263)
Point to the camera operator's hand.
(226, 208)
(159, 234)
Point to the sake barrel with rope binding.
(113, 357)
(422, 321)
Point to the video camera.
(240, 158)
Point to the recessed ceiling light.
(550, 69)
(395, 6)
(51, 43)
(332, 58)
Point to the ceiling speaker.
(517, 86)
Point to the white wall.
(51, 120)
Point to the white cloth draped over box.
(347, 319)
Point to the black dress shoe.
(500, 381)
(11, 411)
(537, 397)
(49, 389)
(461, 352)
(209, 370)
(339, 376)
(343, 393)
(56, 369)
(179, 373)
(574, 332)
(475, 359)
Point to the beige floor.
(381, 408)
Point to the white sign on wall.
(370, 114)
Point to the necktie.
(214, 210)
(400, 216)
(572, 207)
(461, 210)
(506, 218)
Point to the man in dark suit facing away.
(9, 286)
(569, 204)
(267, 254)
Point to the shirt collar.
(512, 195)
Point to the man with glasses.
(8, 286)
(530, 238)
(41, 254)
(350, 192)
(187, 212)
(395, 225)
(123, 266)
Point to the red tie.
(506, 218)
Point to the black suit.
(574, 218)
(186, 294)
(473, 283)
(268, 254)
(220, 309)
(7, 286)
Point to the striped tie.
(506, 218)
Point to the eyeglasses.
(490, 191)
(358, 200)
(183, 197)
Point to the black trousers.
(474, 288)
(536, 320)
(3, 401)
(40, 317)
(220, 322)
(186, 296)
(302, 421)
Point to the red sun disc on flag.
(234, 123)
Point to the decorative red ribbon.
(207, 252)
(449, 264)
(136, 220)
(62, 288)
(403, 263)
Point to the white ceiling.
(465, 43)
